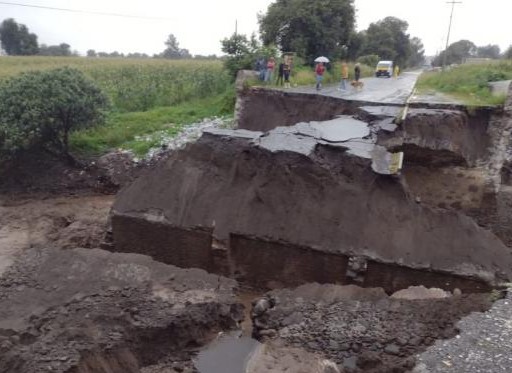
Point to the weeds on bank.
(468, 83)
(126, 130)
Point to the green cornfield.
(135, 84)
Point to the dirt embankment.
(303, 193)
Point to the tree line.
(17, 40)
(460, 51)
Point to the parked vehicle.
(384, 68)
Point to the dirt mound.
(93, 311)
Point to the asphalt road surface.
(380, 90)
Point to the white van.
(384, 68)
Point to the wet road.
(379, 90)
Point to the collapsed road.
(352, 199)
(302, 202)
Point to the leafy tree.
(388, 39)
(173, 50)
(62, 49)
(457, 52)
(243, 52)
(237, 45)
(39, 110)
(91, 53)
(355, 45)
(16, 40)
(369, 60)
(308, 28)
(417, 52)
(488, 51)
(137, 55)
(508, 53)
(115, 54)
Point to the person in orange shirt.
(344, 76)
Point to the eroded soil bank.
(302, 208)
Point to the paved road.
(380, 90)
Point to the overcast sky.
(199, 25)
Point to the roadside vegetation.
(145, 95)
(468, 83)
(134, 130)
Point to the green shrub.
(41, 109)
(369, 60)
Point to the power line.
(84, 11)
(449, 29)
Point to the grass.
(141, 131)
(135, 84)
(468, 83)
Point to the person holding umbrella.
(319, 71)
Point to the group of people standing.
(320, 70)
(268, 68)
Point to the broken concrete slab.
(362, 330)
(448, 130)
(83, 310)
(319, 197)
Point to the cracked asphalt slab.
(483, 345)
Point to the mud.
(92, 311)
(362, 330)
(39, 221)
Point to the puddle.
(228, 353)
(341, 129)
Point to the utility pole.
(236, 27)
(449, 28)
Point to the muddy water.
(229, 353)
(341, 129)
